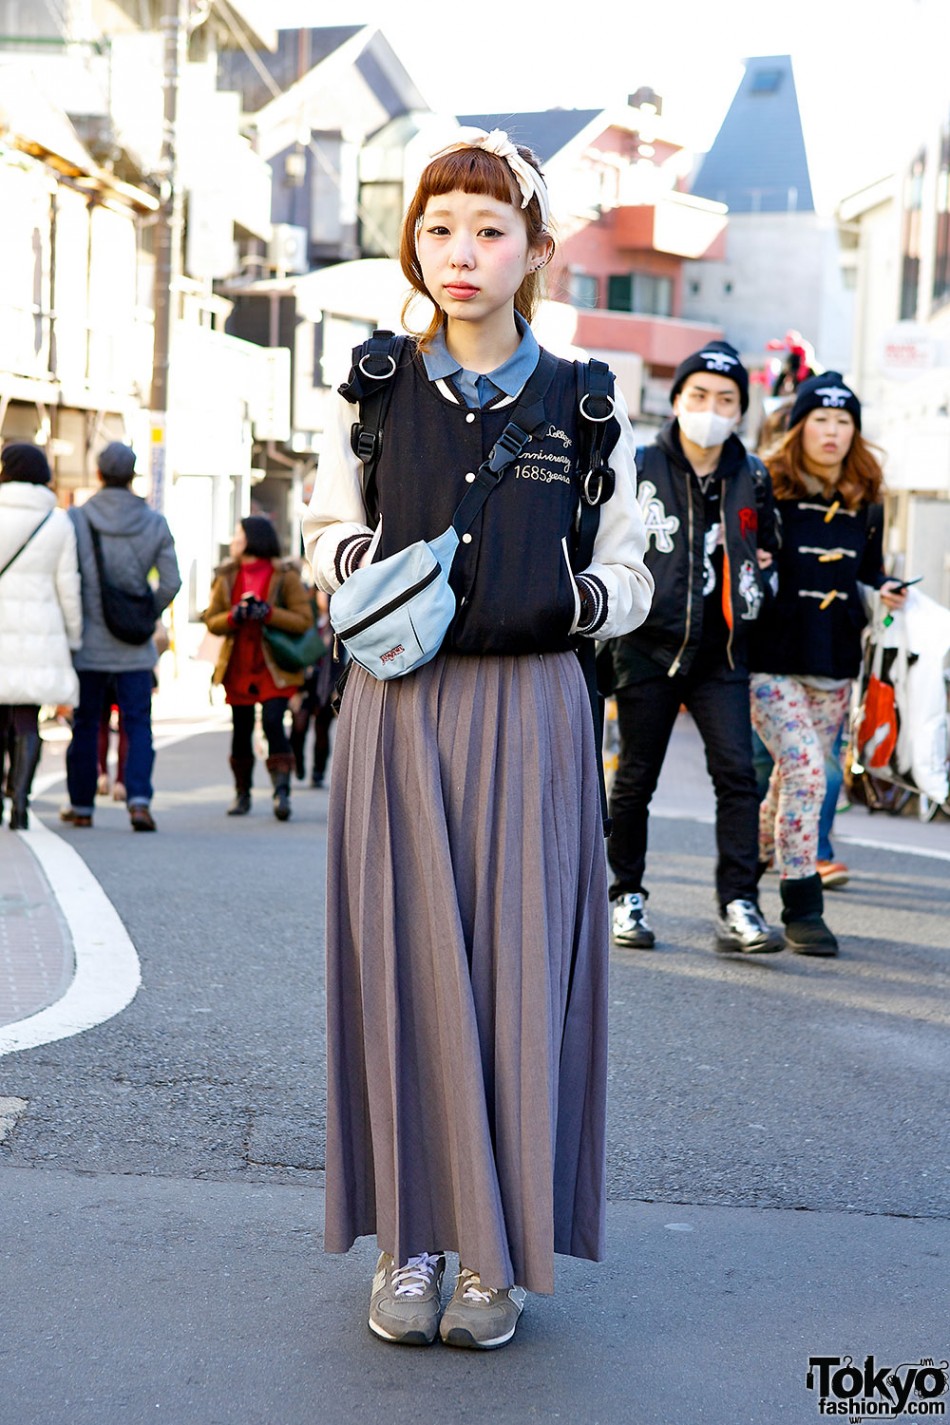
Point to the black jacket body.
(827, 552)
(673, 504)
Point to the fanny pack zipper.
(395, 603)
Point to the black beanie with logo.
(719, 357)
(827, 390)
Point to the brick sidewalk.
(36, 954)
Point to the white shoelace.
(415, 1278)
(474, 1291)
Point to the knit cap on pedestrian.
(24, 463)
(719, 357)
(828, 390)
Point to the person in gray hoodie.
(134, 540)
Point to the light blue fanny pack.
(392, 617)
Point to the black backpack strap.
(598, 431)
(370, 384)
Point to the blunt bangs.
(470, 170)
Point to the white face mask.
(705, 428)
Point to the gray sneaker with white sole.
(406, 1301)
(480, 1317)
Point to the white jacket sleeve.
(617, 574)
(336, 513)
(68, 587)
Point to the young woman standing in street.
(467, 932)
(806, 647)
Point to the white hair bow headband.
(497, 142)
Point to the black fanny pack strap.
(528, 415)
(32, 535)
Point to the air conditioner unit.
(287, 250)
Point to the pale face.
(474, 255)
(827, 436)
(238, 542)
(706, 391)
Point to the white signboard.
(908, 350)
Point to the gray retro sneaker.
(742, 926)
(629, 922)
(407, 1300)
(479, 1317)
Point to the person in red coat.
(252, 589)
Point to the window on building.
(727, 289)
(582, 289)
(910, 237)
(766, 81)
(380, 219)
(695, 287)
(941, 286)
(641, 292)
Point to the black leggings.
(272, 719)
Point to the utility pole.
(168, 238)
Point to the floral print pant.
(798, 725)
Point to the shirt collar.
(507, 379)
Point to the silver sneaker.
(407, 1300)
(630, 925)
(481, 1317)
(742, 926)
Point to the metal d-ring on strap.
(589, 498)
(371, 375)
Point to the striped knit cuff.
(349, 553)
(593, 603)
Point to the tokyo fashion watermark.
(871, 1392)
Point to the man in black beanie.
(133, 540)
(710, 523)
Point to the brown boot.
(243, 770)
(280, 767)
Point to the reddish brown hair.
(470, 170)
(862, 477)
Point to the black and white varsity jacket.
(513, 581)
(672, 503)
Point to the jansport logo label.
(392, 653)
(873, 1392)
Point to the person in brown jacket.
(253, 589)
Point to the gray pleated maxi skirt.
(467, 944)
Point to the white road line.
(107, 974)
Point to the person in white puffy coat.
(40, 613)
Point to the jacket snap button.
(466, 539)
(470, 476)
(470, 417)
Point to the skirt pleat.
(467, 941)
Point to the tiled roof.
(546, 132)
(758, 162)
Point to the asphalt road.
(778, 1153)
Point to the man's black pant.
(646, 713)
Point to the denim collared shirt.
(478, 390)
